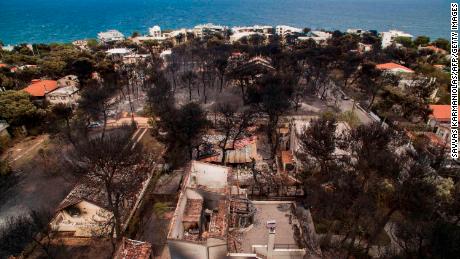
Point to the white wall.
(84, 225)
(209, 175)
(212, 249)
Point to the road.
(345, 104)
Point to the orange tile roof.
(435, 49)
(39, 88)
(390, 66)
(440, 112)
(286, 157)
(434, 139)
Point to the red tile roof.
(133, 249)
(39, 88)
(440, 112)
(391, 66)
(436, 49)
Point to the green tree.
(16, 107)
(421, 41)
(442, 43)
(319, 141)
(405, 41)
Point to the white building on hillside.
(67, 95)
(155, 31)
(389, 37)
(265, 29)
(202, 30)
(283, 30)
(110, 36)
(319, 37)
(240, 35)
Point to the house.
(434, 49)
(290, 143)
(119, 53)
(198, 229)
(39, 88)
(81, 44)
(364, 47)
(110, 36)
(7, 48)
(69, 80)
(320, 37)
(439, 120)
(155, 31)
(85, 211)
(245, 150)
(389, 37)
(240, 35)
(178, 36)
(134, 58)
(283, 30)
(208, 29)
(410, 81)
(214, 219)
(253, 67)
(270, 231)
(356, 31)
(67, 95)
(394, 68)
(133, 249)
(267, 30)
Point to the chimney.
(271, 225)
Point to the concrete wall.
(179, 249)
(280, 253)
(209, 175)
(212, 249)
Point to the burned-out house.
(199, 226)
(85, 212)
(215, 219)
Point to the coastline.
(47, 21)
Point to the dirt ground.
(38, 183)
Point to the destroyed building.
(215, 219)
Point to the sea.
(46, 21)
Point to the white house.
(265, 29)
(240, 35)
(389, 37)
(356, 31)
(68, 80)
(283, 30)
(67, 95)
(155, 31)
(85, 211)
(319, 37)
(202, 30)
(110, 36)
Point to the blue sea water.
(66, 20)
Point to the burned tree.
(233, 125)
(118, 168)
